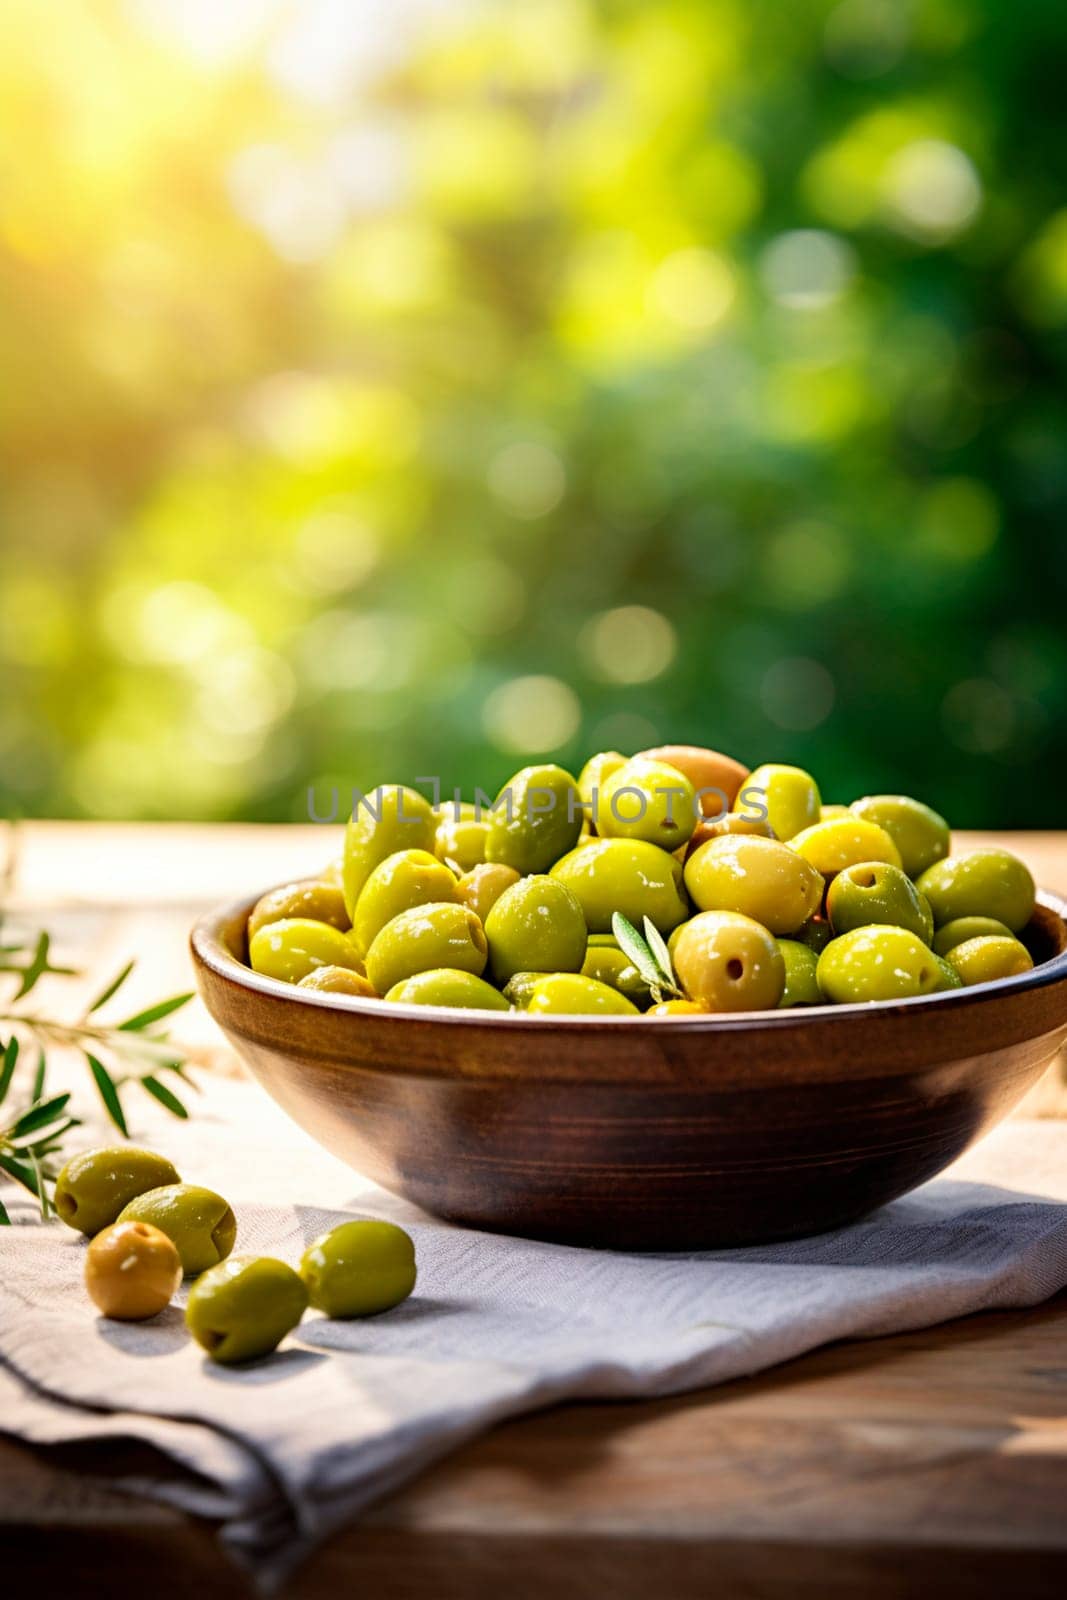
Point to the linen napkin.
(287, 1450)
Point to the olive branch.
(136, 1050)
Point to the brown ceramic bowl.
(643, 1134)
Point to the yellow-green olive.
(569, 994)
(291, 949)
(536, 819)
(726, 961)
(982, 883)
(312, 898)
(786, 797)
(405, 879)
(536, 926)
(132, 1271)
(876, 891)
(947, 977)
(359, 1268)
(198, 1222)
(243, 1308)
(517, 990)
(963, 928)
(677, 1008)
(482, 886)
(648, 800)
(338, 980)
(719, 827)
(391, 818)
(987, 958)
(605, 962)
(627, 875)
(760, 878)
(435, 935)
(877, 963)
(844, 842)
(919, 833)
(94, 1186)
(801, 985)
(592, 778)
(461, 840)
(444, 986)
(828, 813)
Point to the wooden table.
(930, 1464)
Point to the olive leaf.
(658, 946)
(631, 944)
(109, 1093)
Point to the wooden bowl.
(643, 1134)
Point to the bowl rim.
(208, 948)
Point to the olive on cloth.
(359, 1268)
(94, 1186)
(199, 1222)
(132, 1271)
(243, 1308)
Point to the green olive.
(648, 800)
(875, 891)
(390, 819)
(726, 961)
(338, 980)
(243, 1308)
(570, 994)
(312, 898)
(94, 1186)
(760, 878)
(592, 778)
(482, 886)
(605, 962)
(291, 949)
(444, 986)
(801, 986)
(987, 958)
(982, 883)
(919, 833)
(627, 875)
(197, 1221)
(962, 928)
(359, 1269)
(461, 840)
(877, 963)
(829, 813)
(786, 797)
(536, 819)
(536, 926)
(435, 935)
(947, 977)
(517, 990)
(844, 842)
(405, 879)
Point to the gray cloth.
(287, 1450)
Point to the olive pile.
(755, 894)
(148, 1230)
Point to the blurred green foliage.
(414, 387)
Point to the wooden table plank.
(930, 1463)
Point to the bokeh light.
(446, 385)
